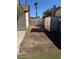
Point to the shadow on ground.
(39, 29)
(55, 37)
(36, 30)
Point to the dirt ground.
(36, 42)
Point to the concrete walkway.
(36, 41)
(20, 37)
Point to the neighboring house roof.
(26, 8)
(49, 12)
(58, 8)
(58, 12)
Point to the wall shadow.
(55, 37)
(36, 30)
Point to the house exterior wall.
(52, 24)
(22, 25)
(23, 20)
(55, 24)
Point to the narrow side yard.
(36, 45)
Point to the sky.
(43, 5)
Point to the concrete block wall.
(23, 22)
(34, 21)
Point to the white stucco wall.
(47, 23)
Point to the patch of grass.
(21, 57)
(42, 56)
(46, 56)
